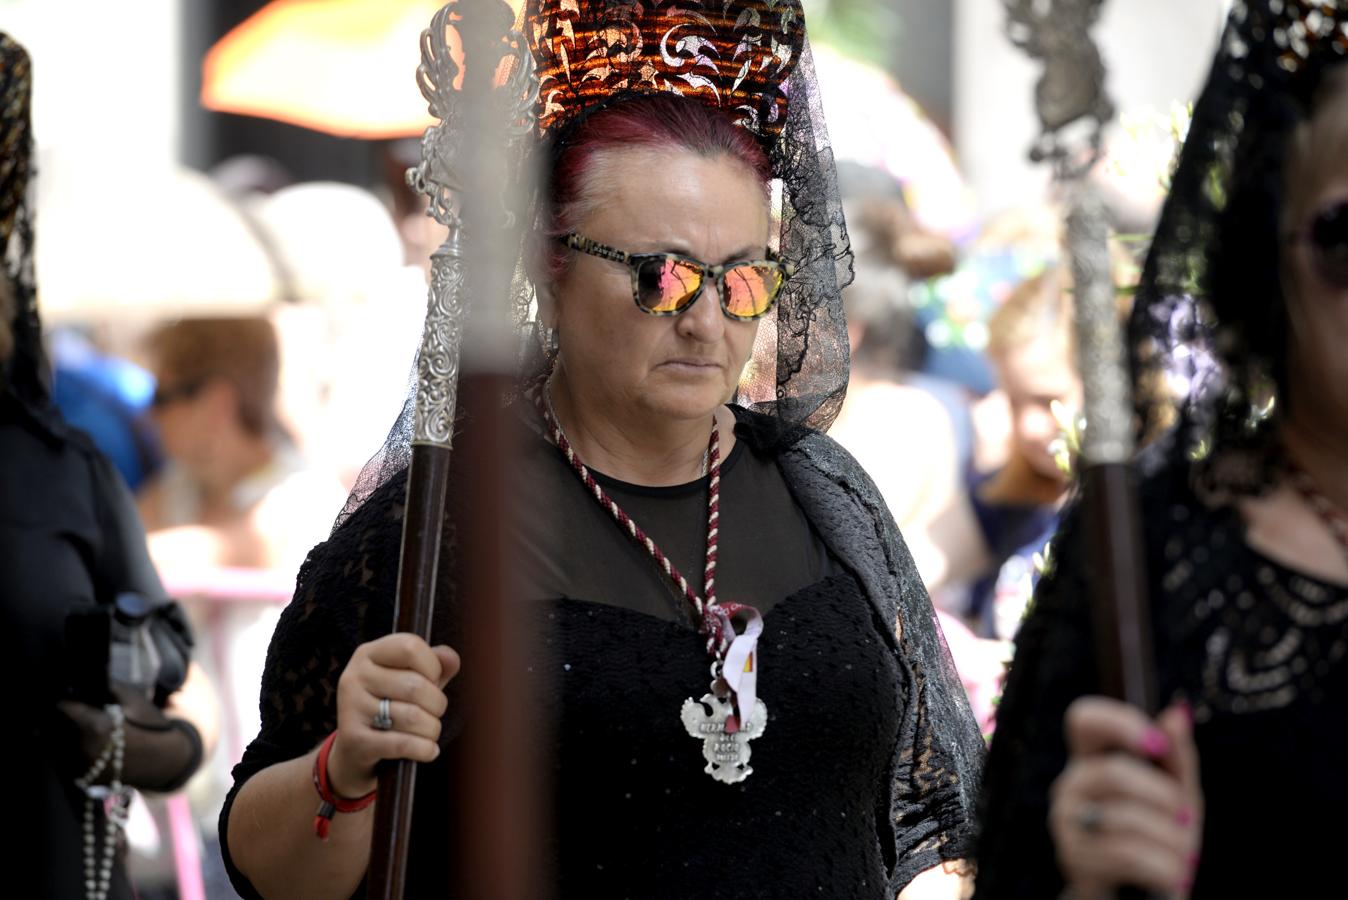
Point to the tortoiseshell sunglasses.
(665, 284)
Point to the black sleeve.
(124, 561)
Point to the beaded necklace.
(1331, 515)
(115, 799)
(730, 715)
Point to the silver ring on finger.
(383, 719)
(1090, 817)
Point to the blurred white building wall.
(1157, 52)
(106, 78)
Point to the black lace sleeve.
(930, 810)
(939, 753)
(344, 597)
(1052, 666)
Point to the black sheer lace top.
(1255, 648)
(827, 811)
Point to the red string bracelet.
(331, 803)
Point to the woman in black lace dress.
(659, 267)
(1245, 302)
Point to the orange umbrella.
(345, 67)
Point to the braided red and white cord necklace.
(730, 715)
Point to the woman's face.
(1317, 304)
(620, 361)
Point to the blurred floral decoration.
(1067, 446)
(1142, 158)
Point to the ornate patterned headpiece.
(734, 55)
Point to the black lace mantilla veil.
(26, 372)
(1211, 260)
(752, 59)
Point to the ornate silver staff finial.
(445, 147)
(1072, 88)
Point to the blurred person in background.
(85, 729)
(231, 514)
(887, 395)
(234, 491)
(356, 310)
(953, 311)
(887, 392)
(1015, 508)
(885, 401)
(889, 400)
(997, 534)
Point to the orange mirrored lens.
(750, 289)
(666, 285)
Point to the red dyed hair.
(665, 121)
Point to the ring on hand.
(383, 720)
(1090, 817)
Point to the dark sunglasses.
(1327, 238)
(665, 284)
(167, 396)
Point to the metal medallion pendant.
(725, 742)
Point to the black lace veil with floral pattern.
(1209, 326)
(25, 373)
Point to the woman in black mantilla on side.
(82, 729)
(696, 348)
(1243, 303)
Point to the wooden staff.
(482, 119)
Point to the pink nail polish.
(1154, 743)
(1185, 816)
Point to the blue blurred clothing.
(1013, 535)
(106, 398)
